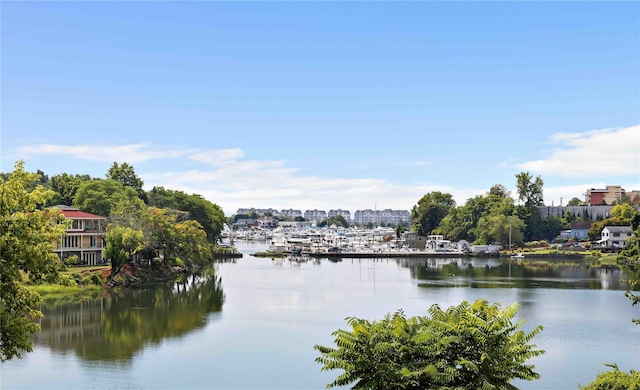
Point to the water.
(253, 324)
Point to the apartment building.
(315, 215)
(346, 214)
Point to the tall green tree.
(531, 196)
(126, 175)
(529, 189)
(430, 210)
(28, 236)
(469, 346)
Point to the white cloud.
(599, 153)
(218, 157)
(131, 153)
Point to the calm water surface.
(252, 324)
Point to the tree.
(498, 229)
(99, 196)
(529, 190)
(624, 210)
(430, 210)
(615, 380)
(27, 240)
(500, 191)
(208, 214)
(122, 243)
(337, 220)
(469, 346)
(461, 222)
(574, 202)
(66, 186)
(126, 175)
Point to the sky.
(325, 104)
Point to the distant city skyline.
(317, 104)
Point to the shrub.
(465, 347)
(71, 260)
(96, 279)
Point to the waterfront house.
(615, 236)
(84, 236)
(579, 229)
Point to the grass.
(57, 289)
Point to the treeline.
(160, 224)
(496, 218)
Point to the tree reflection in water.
(495, 273)
(117, 325)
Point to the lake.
(252, 323)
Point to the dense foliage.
(27, 239)
(430, 210)
(615, 380)
(469, 346)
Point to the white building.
(615, 236)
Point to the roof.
(580, 224)
(618, 229)
(77, 214)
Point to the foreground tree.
(27, 241)
(469, 346)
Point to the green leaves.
(469, 346)
(27, 239)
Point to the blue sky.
(326, 105)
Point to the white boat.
(519, 256)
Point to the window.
(616, 234)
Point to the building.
(315, 215)
(84, 236)
(578, 231)
(615, 236)
(346, 214)
(290, 213)
(381, 217)
(415, 241)
(609, 195)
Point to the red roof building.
(84, 236)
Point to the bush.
(465, 347)
(65, 280)
(71, 260)
(96, 279)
